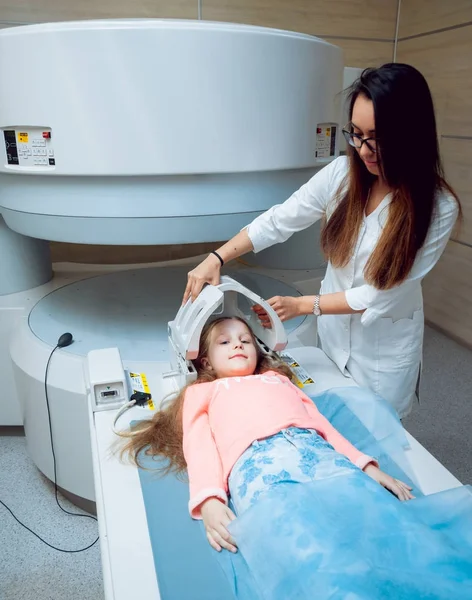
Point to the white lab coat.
(382, 347)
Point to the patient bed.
(150, 547)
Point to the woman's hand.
(286, 307)
(208, 271)
(401, 490)
(216, 517)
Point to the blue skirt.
(293, 455)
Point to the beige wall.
(436, 37)
(36, 11)
(365, 29)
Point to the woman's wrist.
(217, 255)
(329, 304)
(305, 305)
(236, 247)
(213, 260)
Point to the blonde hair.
(163, 434)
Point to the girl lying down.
(271, 476)
(244, 427)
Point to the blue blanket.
(345, 538)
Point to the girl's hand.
(216, 517)
(286, 307)
(208, 271)
(401, 490)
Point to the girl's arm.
(368, 464)
(204, 467)
(332, 435)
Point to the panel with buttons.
(29, 147)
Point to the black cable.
(40, 538)
(64, 341)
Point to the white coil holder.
(213, 302)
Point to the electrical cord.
(122, 410)
(140, 399)
(65, 340)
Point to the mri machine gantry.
(140, 132)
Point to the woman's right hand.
(216, 517)
(208, 271)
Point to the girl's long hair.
(407, 144)
(162, 435)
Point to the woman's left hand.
(286, 307)
(401, 490)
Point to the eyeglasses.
(356, 141)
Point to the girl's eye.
(224, 342)
(246, 341)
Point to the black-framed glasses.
(356, 141)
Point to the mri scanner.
(139, 132)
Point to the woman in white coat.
(387, 215)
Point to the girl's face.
(363, 123)
(231, 350)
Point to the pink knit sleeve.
(204, 468)
(332, 435)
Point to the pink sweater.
(223, 418)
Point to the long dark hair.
(163, 434)
(405, 124)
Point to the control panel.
(29, 147)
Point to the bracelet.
(218, 257)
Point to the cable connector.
(141, 398)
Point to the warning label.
(325, 140)
(139, 383)
(301, 377)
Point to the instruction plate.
(326, 140)
(301, 377)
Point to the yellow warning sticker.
(139, 383)
(301, 377)
(23, 138)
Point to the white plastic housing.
(106, 379)
(159, 130)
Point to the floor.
(29, 570)
(443, 418)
